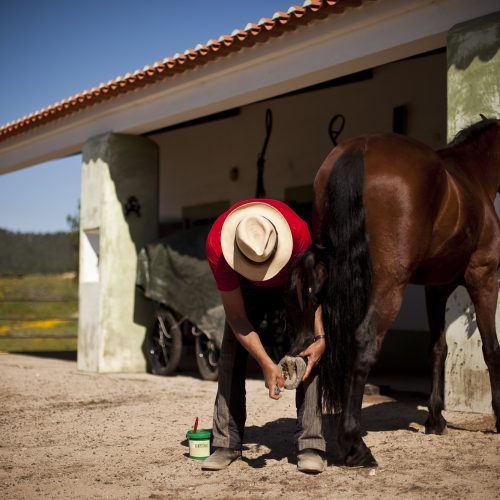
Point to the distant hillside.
(29, 253)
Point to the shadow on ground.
(277, 436)
(63, 355)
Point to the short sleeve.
(225, 277)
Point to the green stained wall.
(473, 72)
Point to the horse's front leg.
(482, 285)
(435, 298)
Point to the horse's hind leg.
(482, 285)
(368, 338)
(436, 298)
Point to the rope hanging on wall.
(335, 127)
(260, 191)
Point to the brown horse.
(390, 211)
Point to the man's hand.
(274, 379)
(313, 354)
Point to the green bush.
(42, 253)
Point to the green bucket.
(199, 443)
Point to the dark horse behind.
(390, 211)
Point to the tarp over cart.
(174, 272)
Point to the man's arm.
(236, 316)
(314, 352)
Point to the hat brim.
(242, 265)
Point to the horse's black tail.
(348, 286)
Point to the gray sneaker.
(310, 460)
(220, 459)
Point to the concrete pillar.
(467, 384)
(119, 174)
(473, 88)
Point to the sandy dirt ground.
(67, 434)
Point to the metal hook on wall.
(335, 127)
(260, 191)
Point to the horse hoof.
(436, 426)
(437, 432)
(361, 459)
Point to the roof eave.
(375, 34)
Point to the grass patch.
(21, 310)
(39, 287)
(37, 328)
(38, 344)
(38, 313)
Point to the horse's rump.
(416, 211)
(403, 184)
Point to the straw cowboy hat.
(256, 241)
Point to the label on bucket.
(199, 449)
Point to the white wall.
(195, 161)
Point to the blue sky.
(52, 49)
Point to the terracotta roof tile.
(297, 10)
(226, 40)
(314, 5)
(253, 28)
(266, 23)
(260, 32)
(282, 17)
(203, 50)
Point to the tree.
(73, 221)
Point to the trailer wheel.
(163, 343)
(207, 357)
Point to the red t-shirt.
(228, 279)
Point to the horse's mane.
(472, 132)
